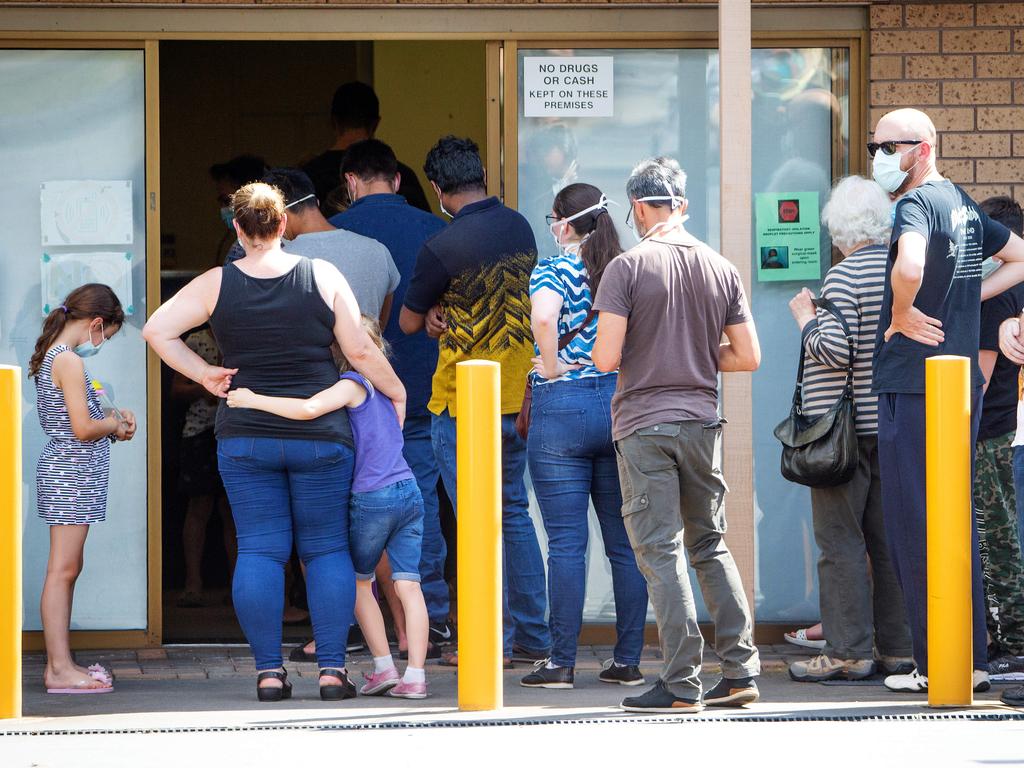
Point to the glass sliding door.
(589, 115)
(72, 211)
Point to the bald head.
(905, 124)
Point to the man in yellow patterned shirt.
(470, 289)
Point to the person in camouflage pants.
(995, 506)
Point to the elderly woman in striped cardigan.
(861, 603)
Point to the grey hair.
(654, 177)
(858, 211)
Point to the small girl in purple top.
(386, 514)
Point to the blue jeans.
(419, 454)
(572, 460)
(280, 489)
(523, 593)
(391, 519)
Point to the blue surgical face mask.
(87, 348)
(227, 215)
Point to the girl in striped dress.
(71, 475)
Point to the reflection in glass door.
(665, 102)
(73, 210)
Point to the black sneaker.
(521, 654)
(542, 677)
(1013, 696)
(733, 693)
(441, 633)
(660, 699)
(623, 674)
(1006, 669)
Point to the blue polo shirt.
(403, 229)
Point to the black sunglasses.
(889, 147)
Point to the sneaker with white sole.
(918, 683)
(379, 683)
(406, 690)
(823, 667)
(1007, 668)
(622, 674)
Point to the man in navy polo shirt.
(369, 170)
(471, 288)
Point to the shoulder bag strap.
(566, 340)
(829, 306)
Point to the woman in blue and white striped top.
(569, 448)
(860, 598)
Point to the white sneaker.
(918, 683)
(912, 683)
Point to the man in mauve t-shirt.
(663, 308)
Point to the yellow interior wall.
(428, 89)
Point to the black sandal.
(299, 652)
(346, 690)
(273, 693)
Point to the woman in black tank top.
(275, 317)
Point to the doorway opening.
(270, 100)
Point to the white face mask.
(674, 200)
(564, 248)
(887, 172)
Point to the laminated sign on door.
(564, 86)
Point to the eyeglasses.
(551, 219)
(889, 147)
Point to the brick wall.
(963, 64)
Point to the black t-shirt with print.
(999, 409)
(959, 237)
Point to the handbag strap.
(829, 306)
(566, 340)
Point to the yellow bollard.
(478, 450)
(10, 541)
(948, 446)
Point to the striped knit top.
(855, 285)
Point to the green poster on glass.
(788, 242)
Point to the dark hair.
(369, 160)
(241, 170)
(603, 244)
(355, 105)
(1006, 211)
(454, 165)
(258, 209)
(87, 301)
(294, 185)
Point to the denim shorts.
(388, 519)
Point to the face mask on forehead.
(601, 205)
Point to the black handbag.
(821, 451)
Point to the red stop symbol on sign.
(789, 211)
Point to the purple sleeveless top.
(378, 439)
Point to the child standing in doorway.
(386, 516)
(72, 472)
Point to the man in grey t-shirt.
(365, 263)
(663, 308)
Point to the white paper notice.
(63, 272)
(86, 212)
(563, 86)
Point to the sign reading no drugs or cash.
(562, 86)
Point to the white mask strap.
(301, 200)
